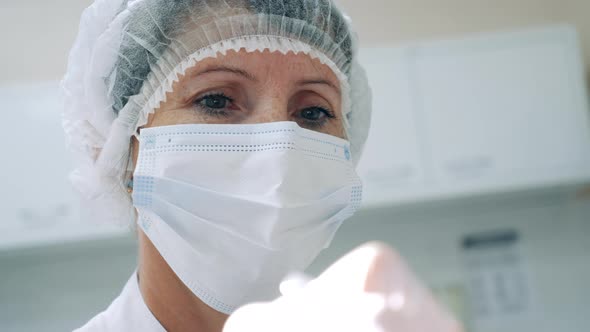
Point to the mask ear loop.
(130, 186)
(130, 169)
(130, 165)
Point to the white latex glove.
(370, 289)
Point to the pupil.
(215, 102)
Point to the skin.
(263, 87)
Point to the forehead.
(265, 65)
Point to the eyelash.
(223, 113)
(220, 113)
(329, 115)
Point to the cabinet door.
(391, 162)
(506, 110)
(38, 204)
(35, 190)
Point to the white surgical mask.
(234, 208)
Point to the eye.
(313, 113)
(214, 101)
(215, 104)
(316, 115)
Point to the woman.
(229, 131)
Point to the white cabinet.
(395, 147)
(39, 206)
(490, 113)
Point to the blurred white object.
(370, 289)
(491, 113)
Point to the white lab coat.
(127, 313)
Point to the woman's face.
(245, 88)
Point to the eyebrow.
(226, 69)
(319, 81)
(250, 77)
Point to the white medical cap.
(128, 54)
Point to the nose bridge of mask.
(262, 137)
(181, 154)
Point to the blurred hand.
(371, 289)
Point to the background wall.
(36, 35)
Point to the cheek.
(338, 129)
(175, 110)
(168, 117)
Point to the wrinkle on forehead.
(274, 63)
